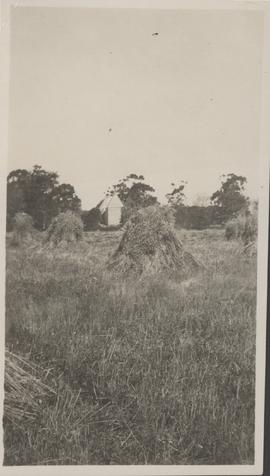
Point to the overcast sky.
(95, 96)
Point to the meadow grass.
(146, 372)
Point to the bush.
(91, 219)
(196, 217)
(22, 228)
(67, 227)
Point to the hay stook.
(150, 245)
(65, 228)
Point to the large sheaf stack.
(150, 245)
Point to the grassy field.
(145, 372)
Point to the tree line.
(225, 203)
(40, 194)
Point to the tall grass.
(243, 227)
(150, 372)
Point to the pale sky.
(181, 105)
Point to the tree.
(134, 193)
(64, 198)
(17, 184)
(176, 197)
(39, 194)
(19, 176)
(230, 197)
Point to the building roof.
(111, 201)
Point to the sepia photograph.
(135, 235)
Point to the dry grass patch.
(165, 375)
(25, 391)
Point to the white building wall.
(114, 215)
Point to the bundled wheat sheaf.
(65, 228)
(150, 244)
(24, 390)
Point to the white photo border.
(264, 6)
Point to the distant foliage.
(230, 197)
(201, 200)
(177, 197)
(244, 227)
(134, 193)
(38, 193)
(15, 204)
(22, 228)
(197, 217)
(66, 227)
(91, 219)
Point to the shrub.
(197, 217)
(22, 228)
(91, 219)
(67, 227)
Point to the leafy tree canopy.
(230, 197)
(177, 196)
(38, 193)
(133, 191)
